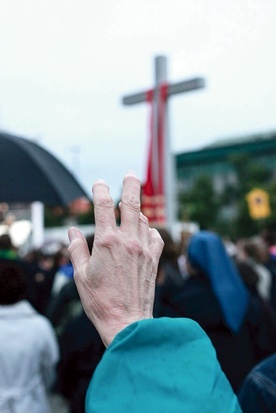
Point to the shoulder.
(258, 392)
(265, 369)
(39, 321)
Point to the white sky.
(65, 66)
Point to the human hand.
(117, 282)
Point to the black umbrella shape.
(30, 173)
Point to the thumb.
(78, 248)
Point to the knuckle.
(148, 255)
(132, 201)
(134, 246)
(105, 200)
(107, 240)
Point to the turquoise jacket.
(160, 365)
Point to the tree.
(59, 216)
(249, 174)
(204, 206)
(200, 203)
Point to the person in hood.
(215, 296)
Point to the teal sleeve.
(160, 365)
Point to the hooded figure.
(207, 254)
(214, 295)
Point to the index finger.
(130, 204)
(103, 206)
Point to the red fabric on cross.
(153, 197)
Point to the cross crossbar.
(173, 89)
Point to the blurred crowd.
(228, 288)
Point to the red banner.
(153, 195)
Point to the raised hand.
(117, 282)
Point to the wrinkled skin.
(117, 282)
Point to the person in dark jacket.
(64, 307)
(9, 255)
(81, 349)
(169, 276)
(258, 392)
(168, 273)
(66, 304)
(215, 296)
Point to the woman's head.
(170, 251)
(205, 250)
(257, 249)
(5, 242)
(12, 284)
(207, 254)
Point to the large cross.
(168, 169)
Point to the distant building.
(213, 160)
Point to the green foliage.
(250, 174)
(200, 203)
(271, 189)
(243, 224)
(87, 218)
(58, 216)
(203, 205)
(54, 216)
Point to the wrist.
(110, 331)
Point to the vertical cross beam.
(169, 160)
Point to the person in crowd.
(258, 392)
(9, 255)
(169, 277)
(7, 249)
(168, 272)
(64, 272)
(28, 351)
(257, 255)
(43, 267)
(150, 365)
(66, 304)
(81, 349)
(215, 296)
(249, 276)
(269, 237)
(182, 258)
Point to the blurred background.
(66, 65)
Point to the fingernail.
(131, 173)
(72, 233)
(100, 181)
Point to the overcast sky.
(65, 66)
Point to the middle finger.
(130, 205)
